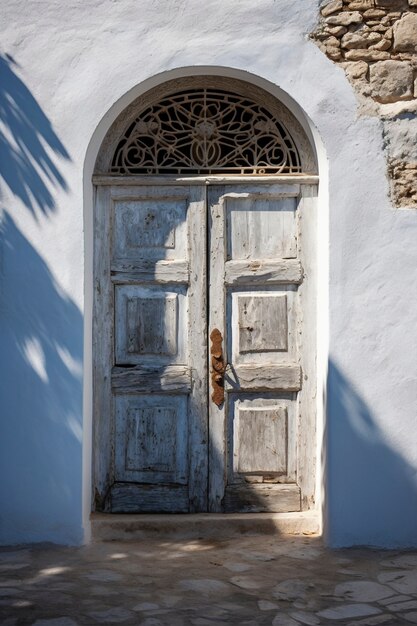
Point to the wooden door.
(161, 443)
(150, 376)
(257, 445)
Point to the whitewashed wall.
(75, 65)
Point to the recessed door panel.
(154, 227)
(151, 324)
(151, 439)
(260, 227)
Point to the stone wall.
(375, 41)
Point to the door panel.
(257, 227)
(154, 228)
(154, 290)
(254, 230)
(263, 325)
(151, 439)
(151, 324)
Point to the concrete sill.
(137, 527)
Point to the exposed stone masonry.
(403, 180)
(375, 41)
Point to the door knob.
(218, 367)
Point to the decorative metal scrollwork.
(206, 131)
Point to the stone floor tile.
(346, 611)
(363, 591)
(236, 566)
(350, 572)
(305, 618)
(403, 581)
(205, 586)
(266, 605)
(401, 560)
(396, 598)
(203, 621)
(57, 621)
(246, 582)
(403, 606)
(104, 575)
(284, 620)
(170, 601)
(306, 553)
(113, 615)
(292, 589)
(375, 620)
(146, 606)
(151, 621)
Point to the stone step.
(133, 527)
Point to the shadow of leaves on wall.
(29, 146)
(41, 397)
(41, 337)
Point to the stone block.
(378, 28)
(405, 33)
(360, 39)
(403, 183)
(366, 55)
(337, 31)
(374, 14)
(333, 53)
(356, 69)
(345, 19)
(332, 41)
(390, 4)
(384, 44)
(391, 81)
(332, 7)
(360, 5)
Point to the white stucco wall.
(75, 66)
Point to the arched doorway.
(204, 319)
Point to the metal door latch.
(218, 367)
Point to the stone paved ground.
(248, 581)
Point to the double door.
(203, 378)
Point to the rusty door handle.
(218, 367)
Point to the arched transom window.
(207, 125)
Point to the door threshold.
(137, 527)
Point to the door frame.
(307, 444)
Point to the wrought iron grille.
(206, 131)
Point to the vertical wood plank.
(307, 436)
(102, 350)
(217, 308)
(197, 342)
